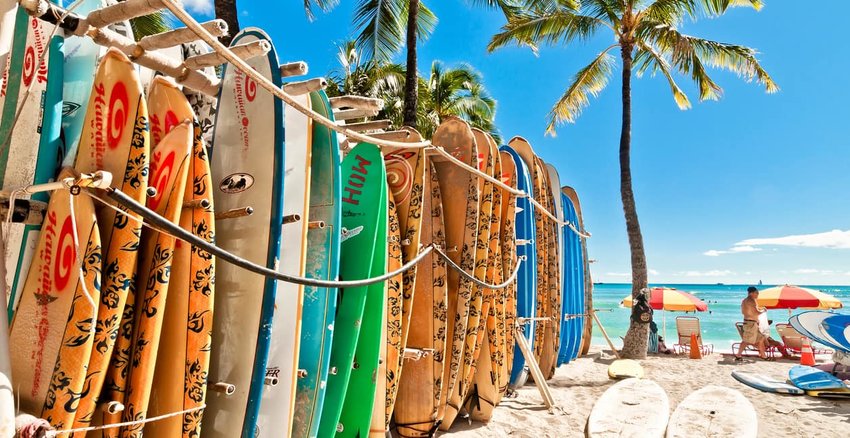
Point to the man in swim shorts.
(752, 335)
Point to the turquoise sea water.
(718, 324)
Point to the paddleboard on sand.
(625, 368)
(460, 193)
(416, 411)
(636, 408)
(713, 411)
(183, 358)
(526, 289)
(356, 341)
(247, 168)
(31, 145)
(278, 401)
(123, 150)
(813, 379)
(323, 252)
(765, 383)
(52, 333)
(170, 160)
(809, 324)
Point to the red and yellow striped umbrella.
(668, 298)
(795, 297)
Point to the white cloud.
(835, 239)
(199, 6)
(733, 250)
(806, 271)
(618, 274)
(653, 272)
(714, 253)
(712, 273)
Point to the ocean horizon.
(718, 323)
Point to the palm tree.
(226, 10)
(647, 36)
(385, 25)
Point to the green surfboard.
(358, 317)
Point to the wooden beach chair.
(686, 326)
(793, 340)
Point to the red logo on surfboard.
(161, 171)
(65, 255)
(119, 105)
(29, 65)
(250, 89)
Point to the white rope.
(53, 433)
(175, 8)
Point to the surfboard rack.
(291, 219)
(539, 380)
(235, 213)
(198, 203)
(25, 211)
(112, 407)
(350, 114)
(298, 68)
(356, 102)
(417, 353)
(373, 125)
(303, 87)
(245, 51)
(224, 387)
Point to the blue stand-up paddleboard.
(837, 327)
(809, 324)
(573, 286)
(527, 276)
(247, 171)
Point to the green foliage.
(152, 24)
(645, 31)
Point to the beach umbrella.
(795, 297)
(671, 299)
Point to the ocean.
(718, 323)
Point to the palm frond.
(426, 20)
(562, 26)
(151, 24)
(380, 25)
(589, 81)
(647, 57)
(689, 54)
(323, 5)
(719, 7)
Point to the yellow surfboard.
(507, 240)
(115, 139)
(169, 171)
(51, 336)
(183, 358)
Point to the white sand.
(576, 387)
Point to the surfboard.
(813, 379)
(115, 138)
(460, 194)
(323, 254)
(405, 175)
(837, 327)
(484, 393)
(415, 411)
(713, 411)
(625, 368)
(169, 170)
(356, 341)
(765, 383)
(471, 349)
(508, 238)
(835, 394)
(630, 408)
(809, 325)
(183, 358)
(554, 294)
(51, 335)
(7, 404)
(39, 123)
(585, 303)
(82, 56)
(8, 11)
(390, 351)
(573, 282)
(203, 105)
(247, 171)
(526, 289)
(278, 400)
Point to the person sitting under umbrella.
(752, 334)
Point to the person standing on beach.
(752, 334)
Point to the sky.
(751, 187)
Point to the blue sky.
(753, 186)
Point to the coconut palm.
(226, 10)
(647, 36)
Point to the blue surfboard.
(837, 327)
(813, 379)
(527, 276)
(573, 287)
(809, 325)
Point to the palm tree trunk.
(226, 10)
(635, 342)
(411, 85)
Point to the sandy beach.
(576, 387)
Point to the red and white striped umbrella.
(668, 298)
(795, 297)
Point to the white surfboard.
(278, 401)
(636, 408)
(714, 411)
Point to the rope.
(163, 225)
(53, 433)
(476, 281)
(175, 7)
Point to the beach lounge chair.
(769, 351)
(686, 326)
(793, 340)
